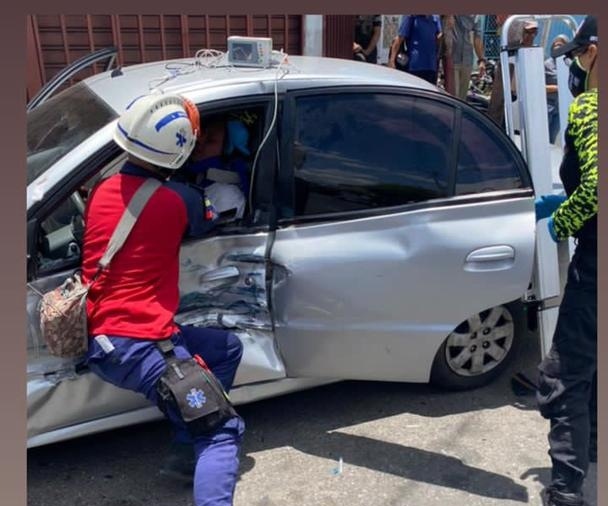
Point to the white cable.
(216, 56)
(216, 60)
(213, 55)
(272, 123)
(175, 69)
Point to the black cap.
(585, 35)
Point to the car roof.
(193, 76)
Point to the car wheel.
(479, 349)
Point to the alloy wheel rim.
(480, 343)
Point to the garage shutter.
(339, 33)
(55, 41)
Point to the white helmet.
(159, 129)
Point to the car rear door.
(402, 214)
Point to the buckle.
(165, 346)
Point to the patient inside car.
(219, 163)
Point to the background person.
(367, 35)
(521, 33)
(421, 35)
(567, 392)
(462, 29)
(529, 33)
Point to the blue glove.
(551, 227)
(546, 205)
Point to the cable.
(272, 123)
(214, 55)
(206, 59)
(175, 69)
(183, 68)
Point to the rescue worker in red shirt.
(131, 306)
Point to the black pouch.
(190, 386)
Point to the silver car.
(388, 232)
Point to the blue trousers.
(137, 364)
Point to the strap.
(128, 219)
(166, 347)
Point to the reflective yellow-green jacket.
(577, 216)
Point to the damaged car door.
(406, 213)
(222, 277)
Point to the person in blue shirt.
(421, 35)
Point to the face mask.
(577, 79)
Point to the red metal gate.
(338, 36)
(55, 41)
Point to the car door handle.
(225, 274)
(491, 254)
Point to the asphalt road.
(400, 445)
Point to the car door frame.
(48, 372)
(101, 156)
(285, 177)
(108, 151)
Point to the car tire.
(492, 343)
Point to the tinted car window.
(364, 151)
(485, 162)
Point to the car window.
(485, 162)
(369, 150)
(61, 123)
(223, 173)
(221, 164)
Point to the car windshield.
(58, 125)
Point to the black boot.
(179, 463)
(553, 497)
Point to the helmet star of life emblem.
(181, 138)
(196, 398)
